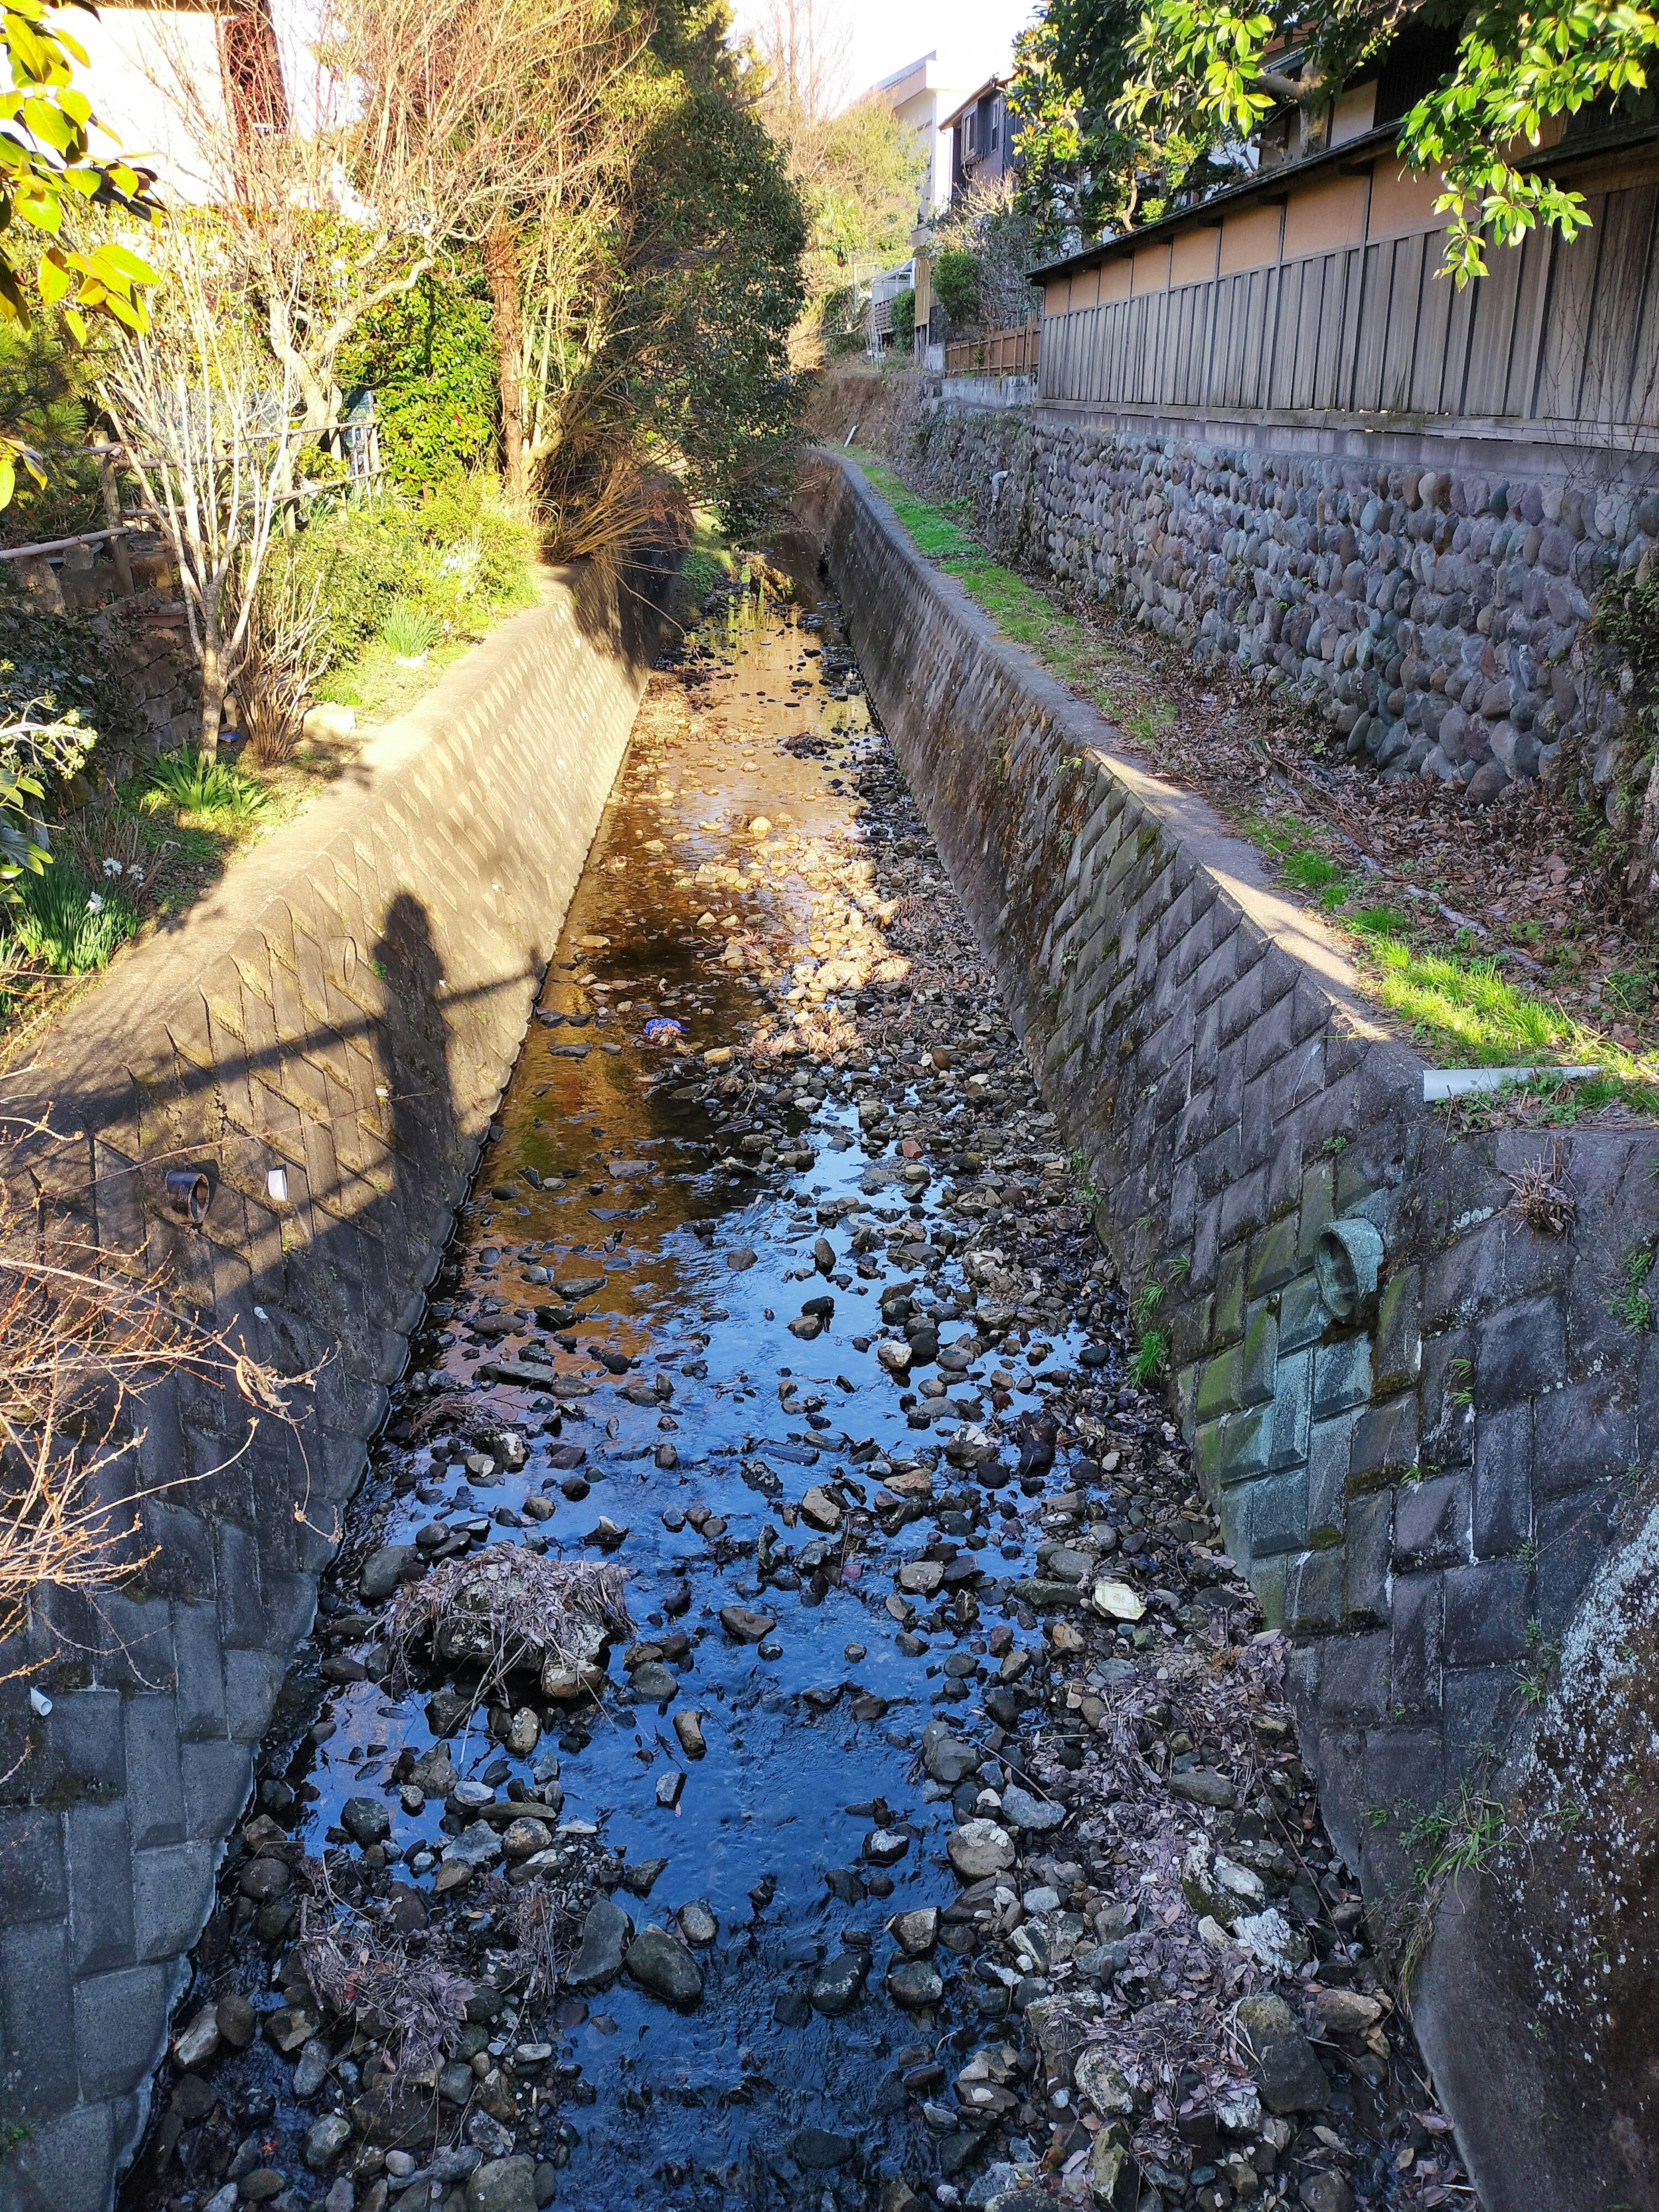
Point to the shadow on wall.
(113, 1803)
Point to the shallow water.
(812, 1737)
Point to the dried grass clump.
(505, 1608)
(1544, 1195)
(544, 1927)
(81, 1348)
(414, 2002)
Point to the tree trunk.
(214, 687)
(502, 272)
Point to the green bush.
(904, 320)
(63, 662)
(429, 359)
(59, 920)
(957, 283)
(458, 555)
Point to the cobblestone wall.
(1431, 1436)
(1434, 608)
(344, 1008)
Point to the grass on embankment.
(1461, 1009)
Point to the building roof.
(1357, 155)
(991, 84)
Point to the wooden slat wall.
(1562, 332)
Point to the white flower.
(112, 867)
(94, 902)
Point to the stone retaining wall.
(344, 1008)
(1431, 1438)
(1431, 595)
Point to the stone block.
(101, 1887)
(1272, 1259)
(1519, 1353)
(252, 1680)
(1318, 1210)
(1583, 1434)
(1235, 1448)
(1243, 1206)
(1397, 1356)
(1342, 1376)
(1302, 1316)
(1329, 1445)
(1259, 1354)
(1351, 1684)
(1485, 1613)
(1501, 1517)
(172, 1895)
(1573, 1535)
(120, 2028)
(1313, 1592)
(1417, 1618)
(33, 1878)
(1385, 1446)
(199, 1681)
(1446, 1399)
(84, 1736)
(37, 2006)
(1230, 1298)
(156, 1790)
(64, 2165)
(1432, 1521)
(1292, 1410)
(1221, 1386)
(1278, 1513)
(218, 1776)
(1367, 1548)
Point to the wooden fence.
(999, 353)
(1559, 340)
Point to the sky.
(972, 36)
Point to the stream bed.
(938, 1818)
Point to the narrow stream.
(694, 1176)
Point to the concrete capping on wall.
(344, 1009)
(1428, 1475)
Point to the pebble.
(605, 1934)
(746, 1626)
(917, 1985)
(688, 1727)
(835, 1986)
(665, 1966)
(696, 1924)
(980, 1848)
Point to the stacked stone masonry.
(342, 1011)
(1435, 608)
(1423, 1482)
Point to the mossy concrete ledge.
(1431, 1432)
(324, 1038)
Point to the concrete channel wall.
(324, 1038)
(1432, 1432)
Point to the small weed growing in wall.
(1146, 1305)
(1461, 1374)
(1634, 1304)
(1535, 1667)
(1151, 1362)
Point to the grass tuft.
(212, 789)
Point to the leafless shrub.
(1543, 1194)
(287, 648)
(80, 1346)
(417, 2000)
(504, 1609)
